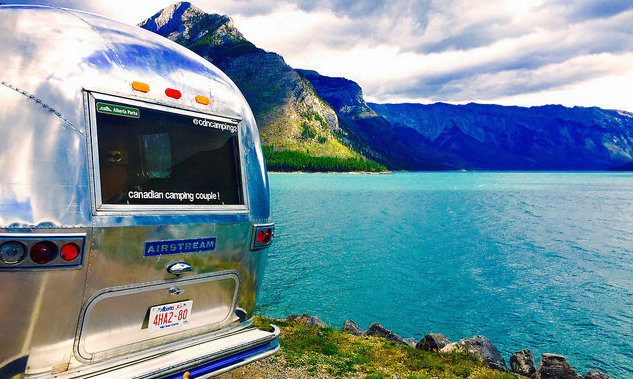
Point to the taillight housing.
(28, 251)
(262, 236)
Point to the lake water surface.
(530, 260)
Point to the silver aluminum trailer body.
(134, 204)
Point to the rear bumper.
(200, 361)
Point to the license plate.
(168, 316)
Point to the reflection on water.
(530, 260)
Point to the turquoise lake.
(531, 260)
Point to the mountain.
(494, 137)
(288, 112)
(369, 132)
(309, 121)
(480, 136)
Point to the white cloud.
(526, 52)
(289, 30)
(611, 91)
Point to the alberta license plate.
(168, 316)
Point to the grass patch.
(344, 355)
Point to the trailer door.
(163, 266)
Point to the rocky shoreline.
(522, 363)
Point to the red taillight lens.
(173, 93)
(69, 251)
(43, 252)
(262, 236)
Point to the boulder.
(433, 342)
(481, 348)
(522, 363)
(410, 341)
(377, 330)
(351, 327)
(595, 374)
(307, 320)
(554, 366)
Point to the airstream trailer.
(134, 204)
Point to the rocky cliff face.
(371, 133)
(288, 112)
(496, 137)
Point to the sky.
(510, 52)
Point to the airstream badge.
(179, 246)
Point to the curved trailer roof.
(50, 55)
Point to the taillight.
(12, 252)
(44, 252)
(69, 251)
(262, 236)
(33, 250)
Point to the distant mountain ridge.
(480, 136)
(551, 137)
(311, 116)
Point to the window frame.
(157, 209)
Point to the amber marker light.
(173, 93)
(141, 87)
(203, 100)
